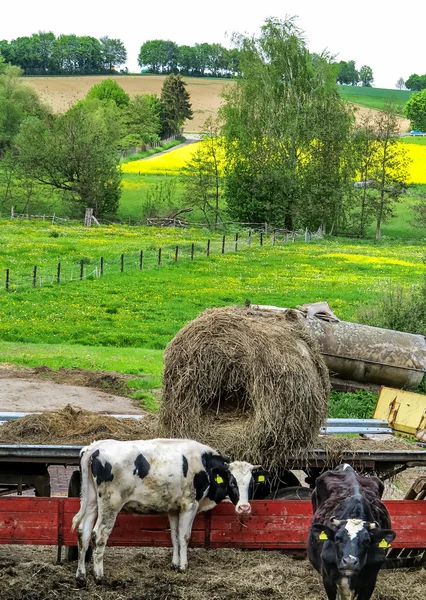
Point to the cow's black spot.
(141, 466)
(102, 473)
(212, 461)
(201, 484)
(184, 465)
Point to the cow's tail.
(87, 485)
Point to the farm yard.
(126, 329)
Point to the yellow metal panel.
(405, 411)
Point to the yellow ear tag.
(384, 544)
(261, 478)
(323, 536)
(219, 479)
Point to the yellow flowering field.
(166, 163)
(417, 168)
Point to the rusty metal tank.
(365, 354)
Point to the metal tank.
(365, 354)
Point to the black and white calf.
(350, 532)
(177, 477)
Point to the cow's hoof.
(101, 581)
(81, 582)
(182, 569)
(175, 567)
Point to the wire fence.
(147, 259)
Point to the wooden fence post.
(236, 242)
(88, 217)
(7, 280)
(223, 245)
(176, 253)
(159, 257)
(141, 260)
(58, 275)
(274, 239)
(122, 263)
(208, 248)
(249, 239)
(35, 276)
(192, 251)
(102, 265)
(81, 269)
(12, 212)
(261, 238)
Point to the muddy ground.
(145, 574)
(27, 389)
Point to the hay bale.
(74, 425)
(250, 382)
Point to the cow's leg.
(174, 530)
(84, 533)
(107, 514)
(186, 519)
(330, 586)
(366, 583)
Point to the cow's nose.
(243, 509)
(349, 562)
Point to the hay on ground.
(74, 425)
(250, 382)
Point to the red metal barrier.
(273, 524)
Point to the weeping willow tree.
(279, 118)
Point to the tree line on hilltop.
(44, 54)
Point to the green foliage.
(17, 101)
(400, 308)
(347, 73)
(151, 151)
(109, 90)
(113, 53)
(202, 175)
(416, 83)
(366, 76)
(141, 121)
(175, 105)
(415, 110)
(44, 54)
(352, 405)
(77, 155)
(164, 56)
(283, 113)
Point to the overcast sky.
(381, 34)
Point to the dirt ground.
(144, 574)
(62, 92)
(26, 389)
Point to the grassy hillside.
(372, 97)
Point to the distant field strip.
(172, 162)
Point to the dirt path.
(23, 389)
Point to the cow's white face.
(240, 485)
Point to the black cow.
(350, 532)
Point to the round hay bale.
(250, 382)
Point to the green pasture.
(145, 309)
(373, 97)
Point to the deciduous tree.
(109, 89)
(77, 155)
(366, 76)
(415, 110)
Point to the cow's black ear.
(382, 537)
(260, 475)
(322, 532)
(219, 476)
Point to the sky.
(376, 33)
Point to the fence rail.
(41, 276)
